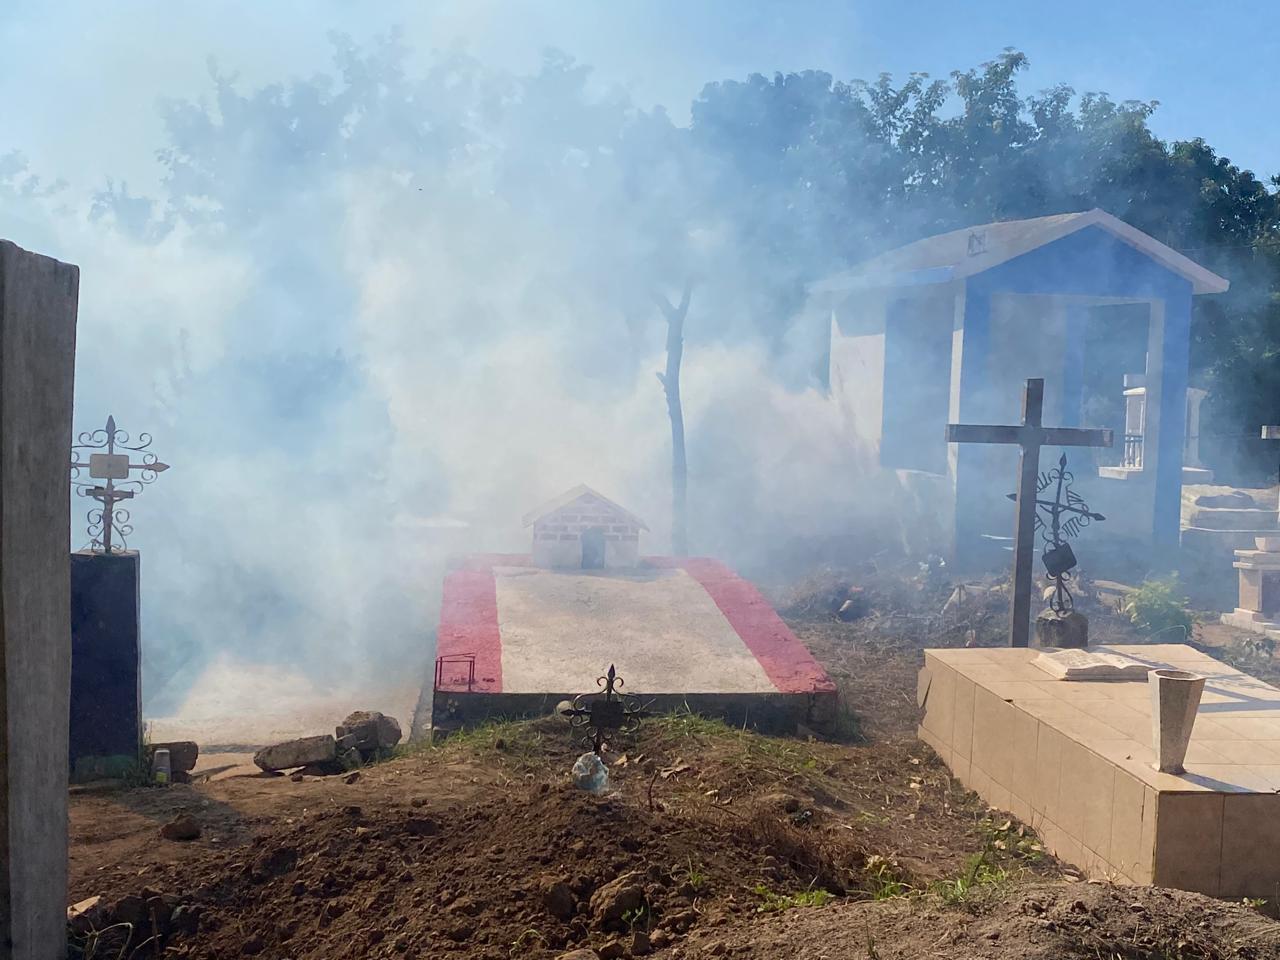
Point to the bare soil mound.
(1078, 921)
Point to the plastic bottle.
(161, 769)
(589, 774)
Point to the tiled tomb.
(1074, 760)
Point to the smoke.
(373, 318)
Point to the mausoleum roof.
(972, 250)
(569, 496)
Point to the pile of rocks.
(363, 736)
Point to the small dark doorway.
(593, 548)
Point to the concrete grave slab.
(515, 639)
(1075, 761)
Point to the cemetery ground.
(717, 841)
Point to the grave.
(109, 468)
(1259, 609)
(517, 637)
(38, 300)
(1074, 760)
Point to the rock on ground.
(611, 902)
(182, 827)
(183, 754)
(368, 732)
(297, 753)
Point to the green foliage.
(839, 172)
(774, 902)
(1009, 840)
(1158, 608)
(529, 940)
(883, 880)
(694, 876)
(979, 872)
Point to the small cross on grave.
(1030, 436)
(600, 715)
(105, 463)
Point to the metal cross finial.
(604, 713)
(1059, 558)
(107, 523)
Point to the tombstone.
(38, 298)
(106, 665)
(1135, 429)
(1259, 608)
(1193, 470)
(109, 468)
(1135, 420)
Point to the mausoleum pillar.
(38, 298)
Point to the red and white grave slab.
(515, 637)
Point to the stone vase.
(1175, 698)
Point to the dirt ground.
(713, 841)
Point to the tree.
(821, 174)
(670, 380)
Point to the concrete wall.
(38, 298)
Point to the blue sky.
(80, 80)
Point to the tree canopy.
(838, 171)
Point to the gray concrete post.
(38, 298)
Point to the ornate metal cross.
(104, 463)
(1030, 436)
(606, 712)
(1059, 559)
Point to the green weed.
(694, 876)
(979, 872)
(883, 880)
(774, 902)
(1013, 841)
(639, 917)
(1158, 607)
(526, 941)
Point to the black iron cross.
(1030, 436)
(1059, 558)
(605, 713)
(106, 464)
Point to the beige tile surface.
(992, 735)
(1097, 796)
(1050, 744)
(940, 706)
(1022, 759)
(1075, 761)
(962, 735)
(1250, 845)
(1189, 841)
(1127, 813)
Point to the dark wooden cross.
(1030, 436)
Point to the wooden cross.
(1030, 436)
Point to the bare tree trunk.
(671, 387)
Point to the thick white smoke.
(375, 319)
